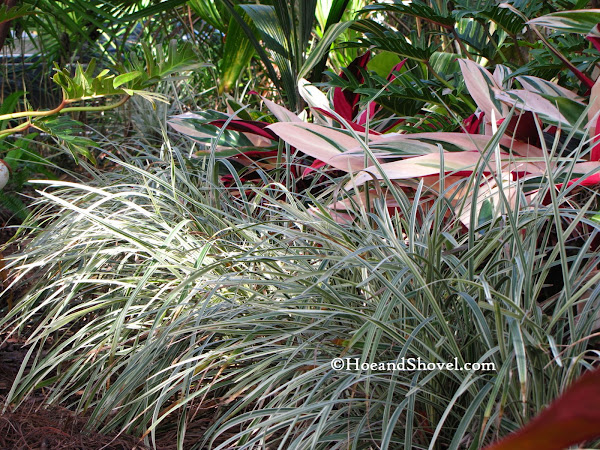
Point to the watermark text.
(407, 365)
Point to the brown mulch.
(36, 425)
(32, 427)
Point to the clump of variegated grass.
(158, 293)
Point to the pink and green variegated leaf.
(541, 86)
(490, 197)
(594, 120)
(314, 166)
(483, 87)
(316, 100)
(594, 102)
(237, 110)
(560, 111)
(457, 163)
(207, 134)
(353, 125)
(594, 37)
(579, 21)
(281, 113)
(206, 127)
(401, 145)
(585, 170)
(570, 419)
(501, 73)
(419, 166)
(247, 126)
(325, 144)
(367, 113)
(180, 125)
(427, 143)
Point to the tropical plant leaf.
(411, 46)
(150, 10)
(209, 11)
(65, 129)
(229, 136)
(325, 144)
(505, 18)
(420, 166)
(85, 85)
(544, 87)
(570, 419)
(483, 88)
(237, 53)
(257, 45)
(8, 106)
(337, 8)
(581, 21)
(315, 99)
(319, 53)
(7, 13)
(416, 8)
(125, 77)
(555, 110)
(281, 113)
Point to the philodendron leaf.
(383, 63)
(83, 85)
(125, 78)
(65, 129)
